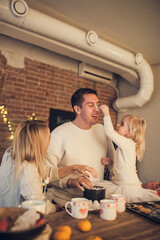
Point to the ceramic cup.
(39, 205)
(121, 202)
(79, 208)
(108, 209)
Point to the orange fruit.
(94, 238)
(64, 227)
(61, 235)
(84, 225)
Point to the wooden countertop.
(128, 225)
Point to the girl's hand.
(158, 191)
(105, 110)
(84, 169)
(151, 185)
(106, 161)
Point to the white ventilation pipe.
(144, 93)
(16, 12)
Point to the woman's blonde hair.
(137, 129)
(30, 144)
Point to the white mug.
(108, 209)
(121, 202)
(39, 205)
(79, 208)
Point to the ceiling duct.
(71, 41)
(19, 8)
(93, 73)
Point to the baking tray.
(154, 212)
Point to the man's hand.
(79, 182)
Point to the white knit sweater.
(71, 145)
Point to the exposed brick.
(37, 88)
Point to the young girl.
(23, 167)
(130, 139)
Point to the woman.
(22, 167)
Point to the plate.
(152, 206)
(13, 214)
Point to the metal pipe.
(36, 22)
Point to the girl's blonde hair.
(137, 128)
(30, 144)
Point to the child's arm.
(105, 160)
(119, 140)
(84, 169)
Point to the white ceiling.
(130, 24)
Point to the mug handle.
(67, 209)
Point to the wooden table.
(127, 225)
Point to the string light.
(4, 115)
(33, 117)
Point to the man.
(82, 141)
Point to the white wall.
(149, 167)
(15, 52)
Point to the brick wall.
(37, 88)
